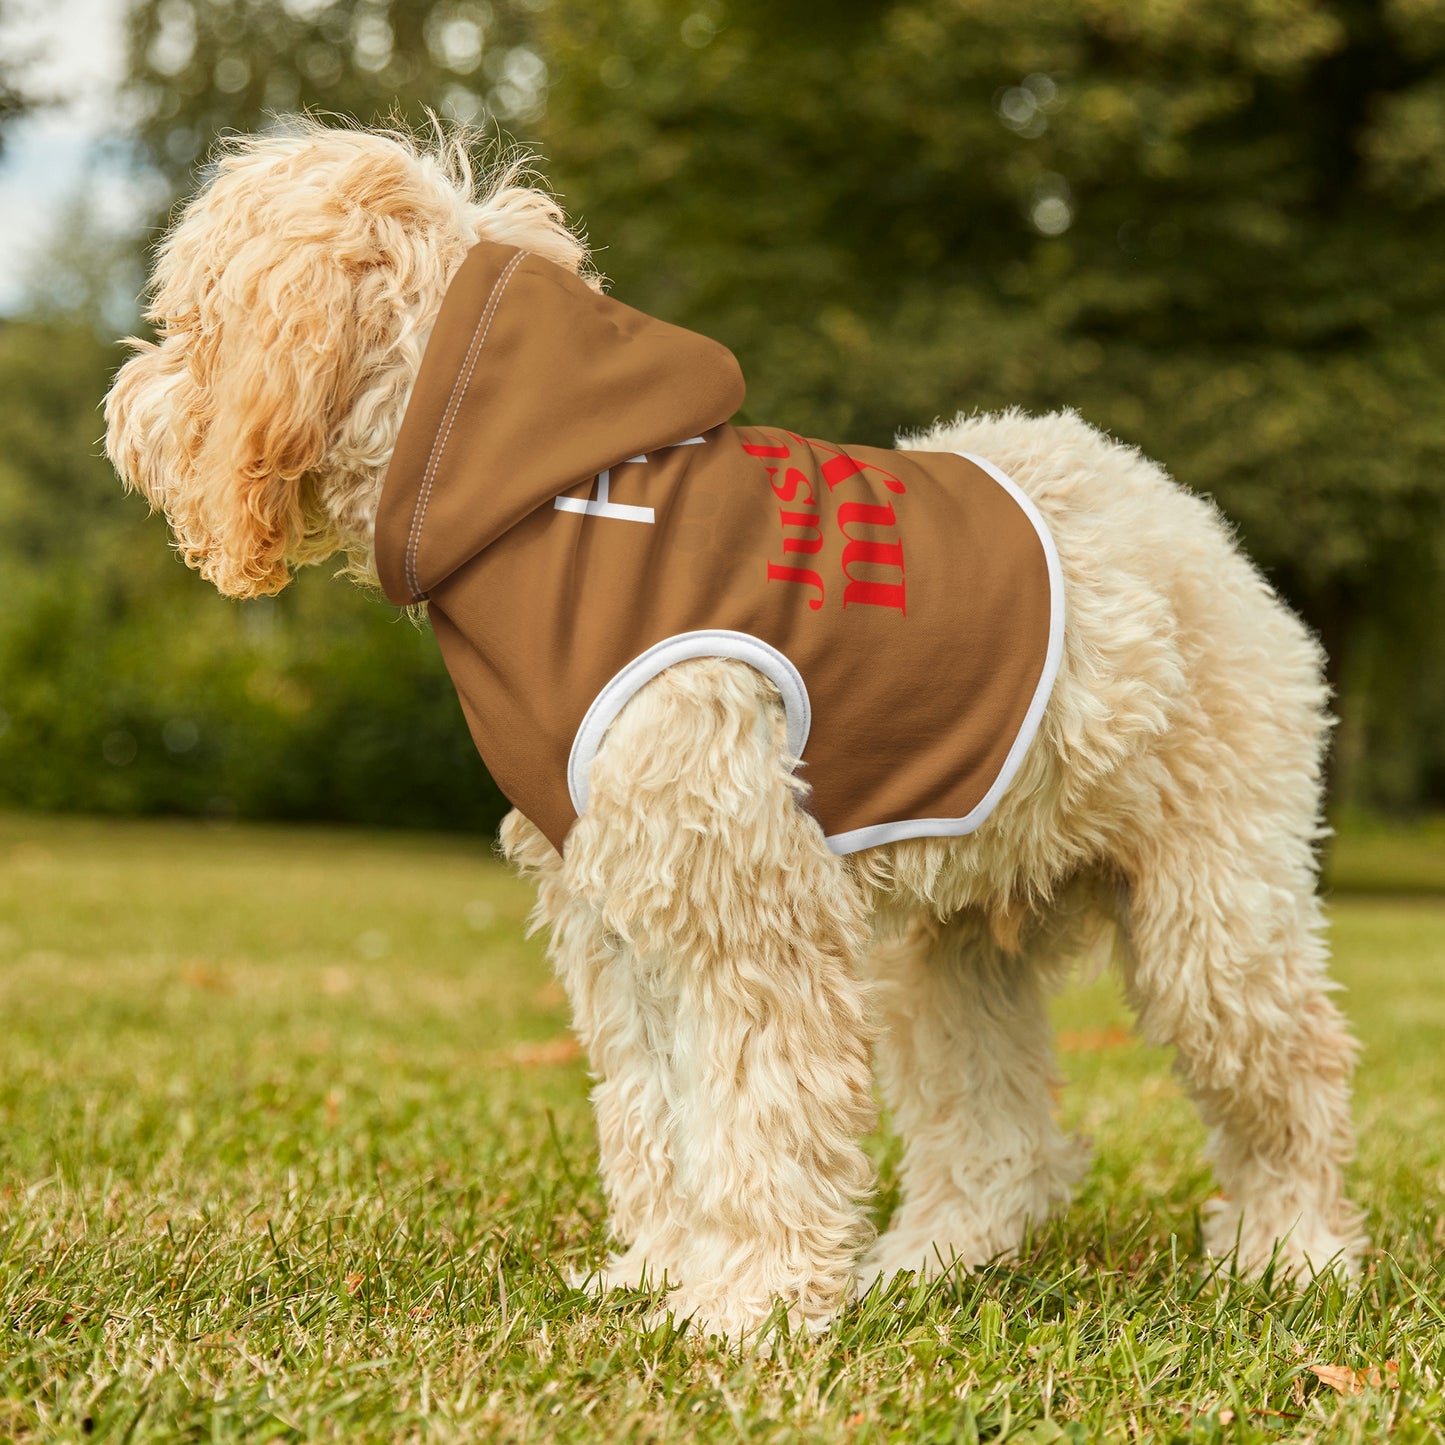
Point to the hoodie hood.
(531, 384)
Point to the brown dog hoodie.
(569, 498)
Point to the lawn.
(293, 1145)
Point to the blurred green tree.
(127, 685)
(202, 67)
(15, 100)
(1215, 227)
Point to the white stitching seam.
(439, 442)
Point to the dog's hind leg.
(1216, 826)
(966, 1059)
(1228, 965)
(695, 854)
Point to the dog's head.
(292, 301)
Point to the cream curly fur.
(729, 976)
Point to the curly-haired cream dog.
(733, 959)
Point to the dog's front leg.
(743, 931)
(624, 1025)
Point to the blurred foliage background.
(1214, 227)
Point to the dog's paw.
(633, 1270)
(1298, 1245)
(914, 1252)
(964, 1229)
(928, 1264)
(740, 1323)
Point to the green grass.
(285, 1154)
(1370, 855)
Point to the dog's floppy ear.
(221, 423)
(278, 363)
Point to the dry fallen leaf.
(354, 1282)
(554, 1051)
(197, 973)
(1347, 1381)
(1090, 1041)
